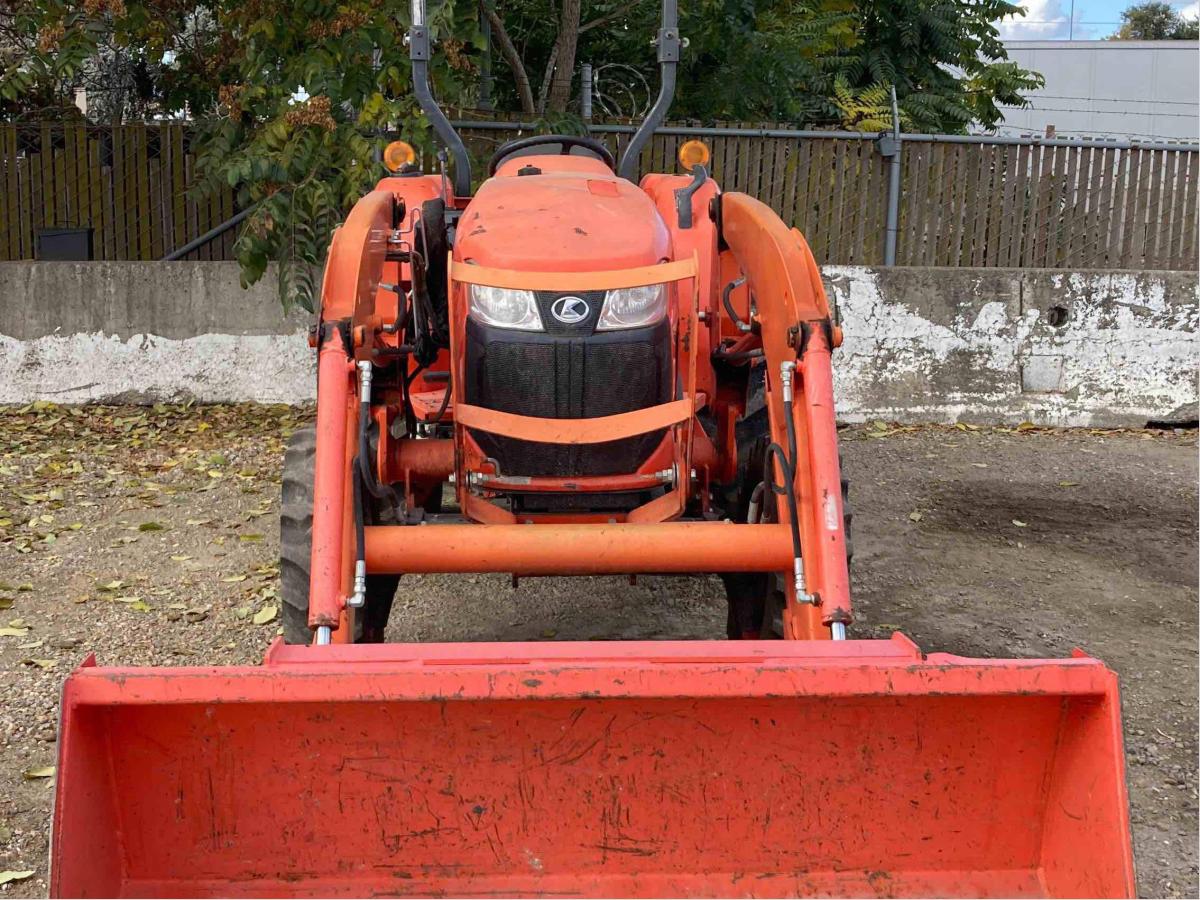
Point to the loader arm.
(797, 336)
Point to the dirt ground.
(150, 537)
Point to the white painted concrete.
(212, 368)
(1127, 353)
(920, 344)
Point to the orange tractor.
(565, 374)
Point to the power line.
(1037, 96)
(1102, 112)
(1025, 130)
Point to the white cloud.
(1044, 20)
(1191, 10)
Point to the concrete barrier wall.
(978, 345)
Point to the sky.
(1094, 19)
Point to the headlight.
(633, 307)
(505, 308)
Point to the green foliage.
(301, 159)
(299, 163)
(1156, 21)
(782, 60)
(868, 109)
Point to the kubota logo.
(570, 310)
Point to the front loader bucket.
(640, 769)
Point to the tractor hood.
(575, 216)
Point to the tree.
(298, 158)
(782, 60)
(295, 98)
(1156, 21)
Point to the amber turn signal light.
(694, 153)
(398, 154)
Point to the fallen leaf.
(38, 772)
(41, 663)
(233, 579)
(199, 521)
(265, 615)
(140, 606)
(182, 557)
(1019, 523)
(152, 526)
(915, 515)
(980, 465)
(1068, 484)
(13, 632)
(250, 538)
(13, 875)
(6, 602)
(111, 586)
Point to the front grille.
(568, 377)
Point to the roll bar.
(669, 44)
(418, 52)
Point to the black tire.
(295, 547)
(756, 599)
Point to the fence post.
(585, 100)
(891, 149)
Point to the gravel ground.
(149, 535)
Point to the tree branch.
(609, 16)
(512, 57)
(545, 89)
(564, 70)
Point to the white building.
(1133, 90)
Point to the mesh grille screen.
(568, 378)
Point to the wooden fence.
(129, 184)
(1031, 204)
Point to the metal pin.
(324, 635)
(839, 630)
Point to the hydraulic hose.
(737, 356)
(725, 299)
(789, 477)
(787, 464)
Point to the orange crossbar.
(575, 431)
(579, 549)
(604, 280)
